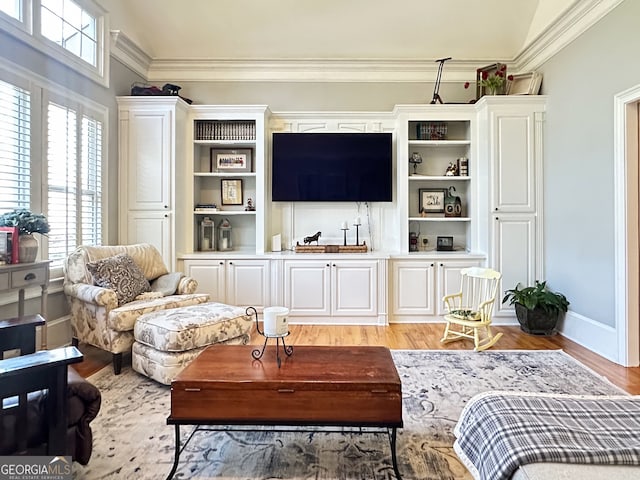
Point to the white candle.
(225, 243)
(205, 244)
(275, 321)
(357, 221)
(344, 226)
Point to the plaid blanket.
(499, 431)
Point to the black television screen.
(331, 167)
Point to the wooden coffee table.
(315, 386)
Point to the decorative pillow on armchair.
(121, 274)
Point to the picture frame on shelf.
(231, 192)
(524, 84)
(431, 200)
(231, 160)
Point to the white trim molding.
(311, 70)
(626, 255)
(129, 53)
(584, 330)
(578, 18)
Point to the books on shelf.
(225, 130)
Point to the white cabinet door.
(449, 279)
(413, 287)
(248, 283)
(210, 275)
(513, 155)
(153, 228)
(307, 290)
(514, 253)
(149, 153)
(354, 288)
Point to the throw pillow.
(121, 274)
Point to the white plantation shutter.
(15, 155)
(74, 164)
(91, 174)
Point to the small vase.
(27, 248)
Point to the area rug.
(132, 439)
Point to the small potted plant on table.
(538, 309)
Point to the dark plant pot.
(536, 321)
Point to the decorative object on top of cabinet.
(231, 191)
(491, 80)
(431, 130)
(436, 95)
(230, 160)
(524, 84)
(207, 235)
(225, 240)
(415, 159)
(452, 203)
(431, 200)
(225, 130)
(312, 238)
(444, 244)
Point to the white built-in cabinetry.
(335, 290)
(237, 281)
(512, 143)
(151, 155)
(168, 167)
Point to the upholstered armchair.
(109, 287)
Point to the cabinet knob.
(221, 263)
(432, 264)
(230, 263)
(328, 265)
(442, 264)
(496, 209)
(166, 216)
(166, 206)
(334, 264)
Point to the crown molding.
(129, 53)
(578, 18)
(311, 70)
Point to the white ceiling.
(183, 34)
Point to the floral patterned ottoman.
(166, 341)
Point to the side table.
(19, 276)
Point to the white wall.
(581, 82)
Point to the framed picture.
(489, 70)
(230, 160)
(431, 200)
(231, 192)
(9, 245)
(525, 84)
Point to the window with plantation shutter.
(13, 8)
(15, 139)
(74, 185)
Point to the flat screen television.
(331, 167)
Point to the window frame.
(29, 29)
(42, 90)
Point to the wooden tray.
(332, 248)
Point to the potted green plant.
(27, 223)
(538, 309)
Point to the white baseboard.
(599, 338)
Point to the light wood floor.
(416, 337)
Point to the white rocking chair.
(469, 311)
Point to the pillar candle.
(344, 226)
(357, 221)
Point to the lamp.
(224, 236)
(207, 235)
(415, 159)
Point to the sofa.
(109, 287)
